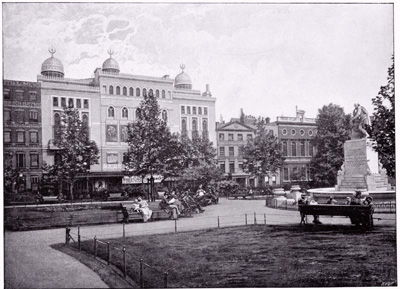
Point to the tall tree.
(382, 128)
(153, 149)
(262, 156)
(333, 130)
(75, 151)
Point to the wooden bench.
(361, 214)
(243, 195)
(157, 214)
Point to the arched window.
(194, 128)
(284, 149)
(144, 92)
(57, 126)
(111, 112)
(164, 115)
(131, 91)
(124, 112)
(118, 90)
(294, 152)
(137, 112)
(302, 149)
(184, 126)
(124, 91)
(138, 91)
(157, 93)
(205, 128)
(163, 94)
(151, 92)
(111, 89)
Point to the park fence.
(114, 252)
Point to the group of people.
(138, 206)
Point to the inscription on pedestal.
(355, 156)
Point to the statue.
(358, 120)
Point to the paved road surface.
(30, 262)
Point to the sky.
(265, 58)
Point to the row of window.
(293, 132)
(231, 167)
(221, 137)
(194, 110)
(57, 123)
(21, 116)
(184, 124)
(297, 149)
(19, 95)
(231, 151)
(20, 137)
(71, 102)
(20, 159)
(125, 113)
(132, 92)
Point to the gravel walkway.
(30, 262)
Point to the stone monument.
(361, 168)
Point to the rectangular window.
(55, 101)
(34, 179)
(285, 174)
(200, 110)
(20, 136)
(6, 93)
(7, 116)
(78, 103)
(231, 167)
(230, 136)
(222, 167)
(33, 116)
(249, 137)
(19, 94)
(7, 136)
(33, 95)
(70, 102)
(34, 160)
(302, 149)
(205, 111)
(188, 109)
(295, 175)
(194, 110)
(231, 151)
(294, 149)
(241, 167)
(222, 151)
(85, 103)
(63, 102)
(221, 136)
(19, 116)
(240, 150)
(240, 137)
(182, 109)
(20, 160)
(33, 135)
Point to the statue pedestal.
(361, 168)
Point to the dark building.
(295, 134)
(22, 130)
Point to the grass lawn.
(261, 256)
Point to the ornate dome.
(110, 65)
(52, 66)
(182, 80)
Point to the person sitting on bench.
(331, 201)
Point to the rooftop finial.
(52, 50)
(182, 66)
(110, 51)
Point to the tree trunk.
(71, 189)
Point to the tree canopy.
(382, 128)
(333, 130)
(75, 151)
(262, 156)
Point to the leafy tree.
(262, 156)
(333, 130)
(382, 128)
(75, 151)
(153, 149)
